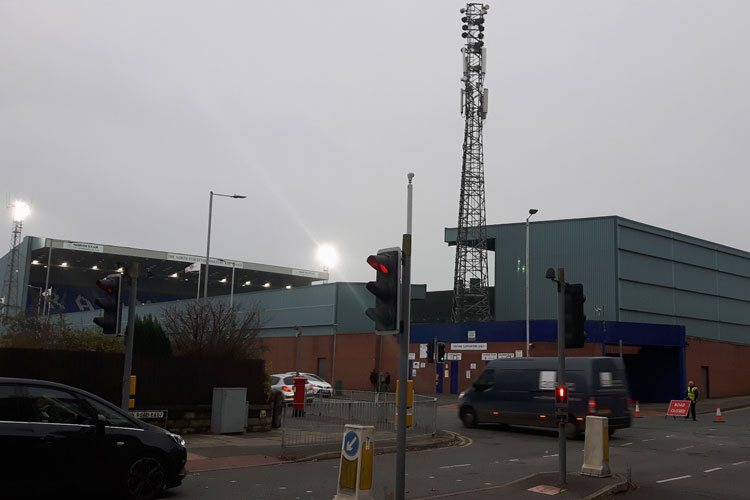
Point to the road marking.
(712, 470)
(547, 456)
(669, 435)
(452, 466)
(513, 460)
(674, 479)
(684, 447)
(626, 444)
(739, 463)
(644, 440)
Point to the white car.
(320, 387)
(284, 382)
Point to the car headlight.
(461, 396)
(177, 439)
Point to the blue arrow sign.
(351, 444)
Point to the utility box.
(229, 410)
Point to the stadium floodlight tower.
(20, 211)
(471, 300)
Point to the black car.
(53, 436)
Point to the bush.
(31, 332)
(150, 338)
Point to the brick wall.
(728, 368)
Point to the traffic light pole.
(403, 362)
(128, 364)
(562, 460)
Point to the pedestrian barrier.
(718, 414)
(325, 418)
(637, 410)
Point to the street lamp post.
(208, 238)
(532, 211)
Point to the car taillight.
(287, 388)
(592, 406)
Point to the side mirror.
(101, 422)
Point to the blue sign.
(351, 444)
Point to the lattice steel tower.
(471, 300)
(10, 286)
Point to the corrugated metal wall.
(584, 247)
(667, 277)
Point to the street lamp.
(532, 211)
(208, 239)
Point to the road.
(667, 459)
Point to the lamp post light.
(208, 239)
(532, 211)
(328, 256)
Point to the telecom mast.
(471, 300)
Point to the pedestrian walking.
(374, 379)
(692, 396)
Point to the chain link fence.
(323, 420)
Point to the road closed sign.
(678, 408)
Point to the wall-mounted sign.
(422, 350)
(519, 353)
(86, 247)
(505, 355)
(453, 356)
(489, 356)
(471, 335)
(412, 355)
(473, 366)
(468, 373)
(469, 346)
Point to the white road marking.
(674, 479)
(684, 447)
(547, 456)
(739, 463)
(282, 487)
(644, 440)
(452, 466)
(712, 470)
(308, 491)
(430, 477)
(669, 435)
(626, 444)
(513, 460)
(459, 480)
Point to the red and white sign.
(678, 408)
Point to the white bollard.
(355, 471)
(596, 449)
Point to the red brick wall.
(359, 353)
(728, 367)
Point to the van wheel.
(572, 430)
(469, 418)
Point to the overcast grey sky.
(132, 111)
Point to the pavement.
(228, 451)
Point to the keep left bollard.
(355, 472)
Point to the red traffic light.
(376, 264)
(561, 392)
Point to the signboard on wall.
(468, 346)
(489, 356)
(453, 356)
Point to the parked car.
(521, 391)
(284, 382)
(321, 388)
(53, 435)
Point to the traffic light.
(440, 356)
(385, 288)
(561, 396)
(431, 351)
(574, 317)
(110, 304)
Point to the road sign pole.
(128, 364)
(403, 365)
(561, 373)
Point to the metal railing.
(323, 420)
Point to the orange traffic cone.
(718, 414)
(637, 410)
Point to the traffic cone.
(718, 414)
(637, 410)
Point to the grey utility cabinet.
(229, 410)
